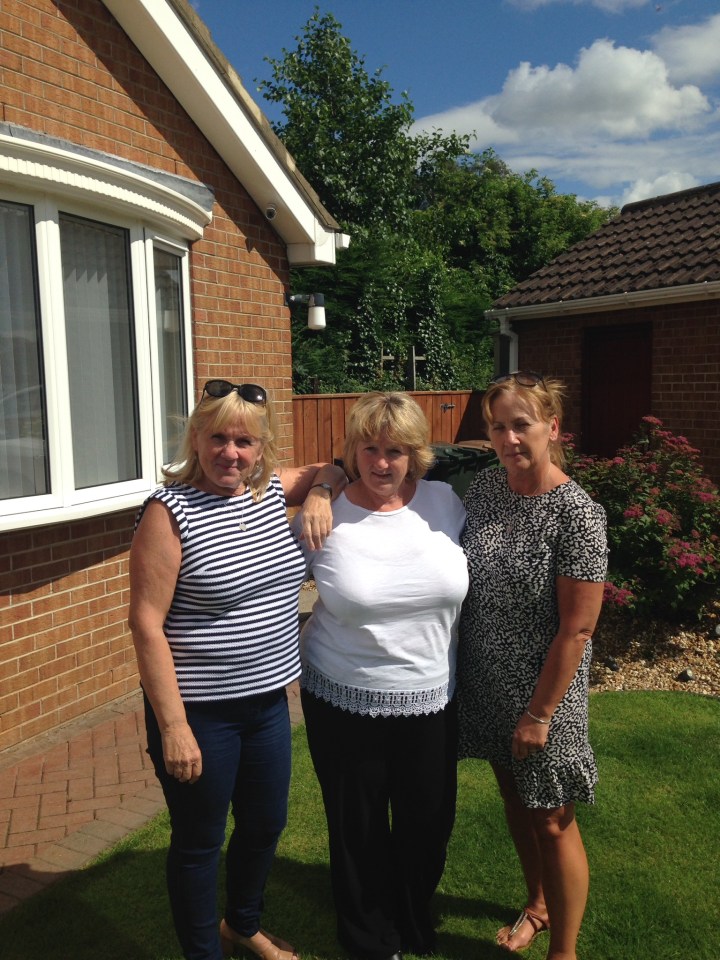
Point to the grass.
(653, 840)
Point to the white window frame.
(153, 241)
(53, 181)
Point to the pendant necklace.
(523, 508)
(242, 525)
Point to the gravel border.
(630, 654)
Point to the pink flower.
(620, 596)
(665, 518)
(632, 512)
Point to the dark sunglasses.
(250, 392)
(524, 378)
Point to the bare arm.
(154, 566)
(298, 486)
(579, 603)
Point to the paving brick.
(8, 779)
(47, 835)
(144, 805)
(12, 856)
(109, 832)
(85, 844)
(77, 795)
(62, 857)
(18, 885)
(80, 788)
(121, 816)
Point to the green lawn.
(653, 841)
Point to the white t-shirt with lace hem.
(382, 638)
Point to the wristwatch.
(325, 486)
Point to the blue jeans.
(245, 746)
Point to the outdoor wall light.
(316, 308)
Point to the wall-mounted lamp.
(316, 308)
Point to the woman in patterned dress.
(537, 556)
(215, 574)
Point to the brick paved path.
(73, 793)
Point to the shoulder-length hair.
(212, 415)
(396, 416)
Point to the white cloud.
(666, 183)
(613, 91)
(691, 52)
(618, 125)
(474, 120)
(613, 173)
(609, 6)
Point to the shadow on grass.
(70, 920)
(653, 842)
(118, 910)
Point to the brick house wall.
(70, 72)
(685, 366)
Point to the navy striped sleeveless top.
(232, 626)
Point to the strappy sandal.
(268, 947)
(505, 934)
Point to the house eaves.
(616, 301)
(178, 46)
(662, 250)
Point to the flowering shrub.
(663, 523)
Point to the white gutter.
(617, 301)
(506, 330)
(179, 48)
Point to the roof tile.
(666, 241)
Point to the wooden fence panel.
(319, 420)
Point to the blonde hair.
(544, 398)
(213, 415)
(400, 419)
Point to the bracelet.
(537, 719)
(325, 486)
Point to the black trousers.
(389, 786)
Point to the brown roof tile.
(667, 241)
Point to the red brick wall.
(685, 366)
(69, 71)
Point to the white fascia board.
(618, 301)
(186, 67)
(41, 164)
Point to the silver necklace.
(243, 525)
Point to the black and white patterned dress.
(516, 546)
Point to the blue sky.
(613, 100)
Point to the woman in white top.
(378, 679)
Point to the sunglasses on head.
(524, 378)
(250, 392)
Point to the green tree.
(500, 225)
(438, 233)
(341, 126)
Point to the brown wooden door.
(616, 385)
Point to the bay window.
(95, 362)
(94, 382)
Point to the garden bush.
(663, 523)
